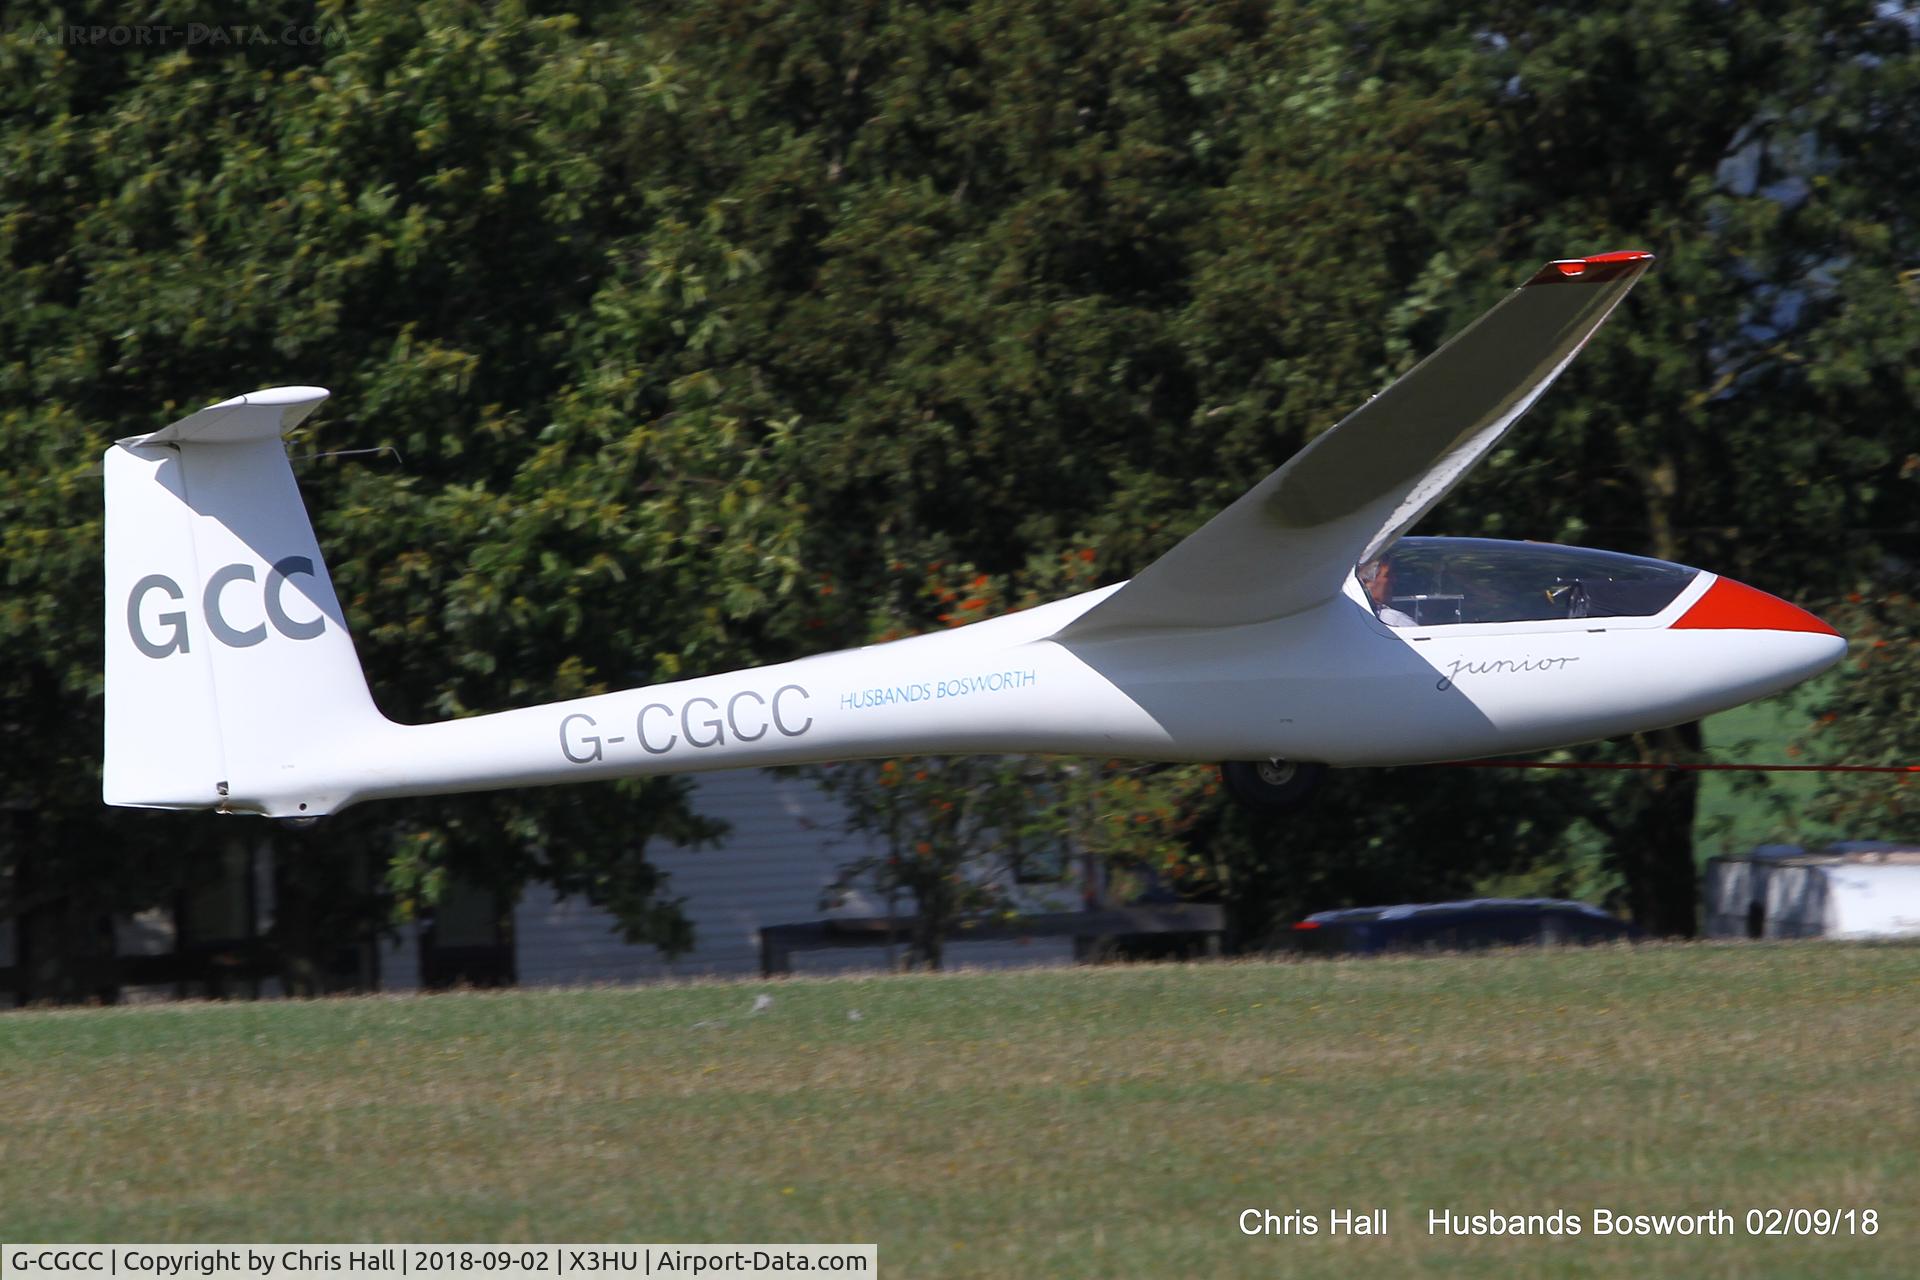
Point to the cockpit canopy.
(1430, 582)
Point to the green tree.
(688, 329)
(1871, 714)
(403, 215)
(1749, 414)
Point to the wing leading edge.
(1289, 542)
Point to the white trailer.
(1854, 889)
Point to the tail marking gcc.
(175, 639)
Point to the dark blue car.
(1458, 926)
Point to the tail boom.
(233, 684)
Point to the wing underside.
(1289, 542)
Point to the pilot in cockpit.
(1377, 577)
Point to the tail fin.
(230, 676)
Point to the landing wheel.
(1271, 786)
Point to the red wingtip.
(1597, 269)
(1735, 606)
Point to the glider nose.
(1801, 643)
(1735, 606)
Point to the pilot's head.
(1377, 577)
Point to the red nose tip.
(1735, 606)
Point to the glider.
(1298, 629)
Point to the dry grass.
(1086, 1122)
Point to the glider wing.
(1289, 542)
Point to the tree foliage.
(688, 327)
(1871, 714)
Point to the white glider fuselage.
(1332, 684)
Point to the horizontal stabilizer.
(258, 415)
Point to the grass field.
(1108, 1122)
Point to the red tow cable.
(1639, 766)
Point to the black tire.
(1271, 786)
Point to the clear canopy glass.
(1430, 582)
